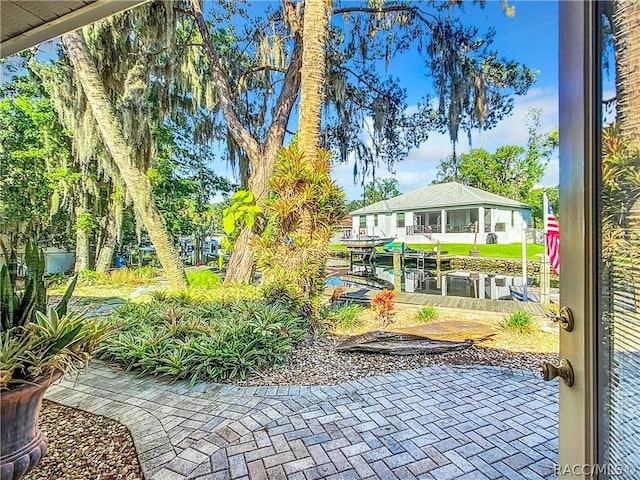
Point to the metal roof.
(441, 195)
(26, 23)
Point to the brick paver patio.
(450, 422)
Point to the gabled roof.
(441, 195)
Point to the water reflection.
(456, 284)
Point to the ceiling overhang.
(25, 24)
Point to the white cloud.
(419, 168)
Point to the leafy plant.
(519, 321)
(34, 342)
(427, 313)
(242, 210)
(303, 209)
(383, 304)
(203, 340)
(348, 316)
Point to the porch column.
(493, 294)
(480, 221)
(443, 221)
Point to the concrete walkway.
(439, 423)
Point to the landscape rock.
(451, 331)
(393, 343)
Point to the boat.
(365, 242)
(517, 294)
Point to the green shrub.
(206, 339)
(427, 313)
(348, 316)
(519, 321)
(132, 276)
(203, 279)
(121, 276)
(90, 277)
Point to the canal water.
(451, 283)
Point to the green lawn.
(512, 250)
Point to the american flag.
(552, 231)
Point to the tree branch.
(183, 11)
(260, 69)
(240, 134)
(290, 15)
(287, 98)
(359, 77)
(394, 8)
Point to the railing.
(422, 229)
(460, 228)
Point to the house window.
(363, 221)
(400, 220)
(375, 220)
(513, 218)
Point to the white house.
(448, 212)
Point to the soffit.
(26, 23)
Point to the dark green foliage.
(61, 309)
(16, 306)
(202, 340)
(535, 200)
(33, 341)
(375, 191)
(35, 164)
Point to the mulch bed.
(86, 446)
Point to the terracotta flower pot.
(22, 445)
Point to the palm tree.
(314, 41)
(123, 155)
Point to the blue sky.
(530, 37)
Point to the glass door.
(600, 239)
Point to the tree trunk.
(104, 258)
(312, 75)
(261, 157)
(83, 236)
(135, 180)
(241, 267)
(314, 35)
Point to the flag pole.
(525, 296)
(544, 261)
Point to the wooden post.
(397, 272)
(544, 280)
(438, 275)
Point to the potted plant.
(37, 346)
